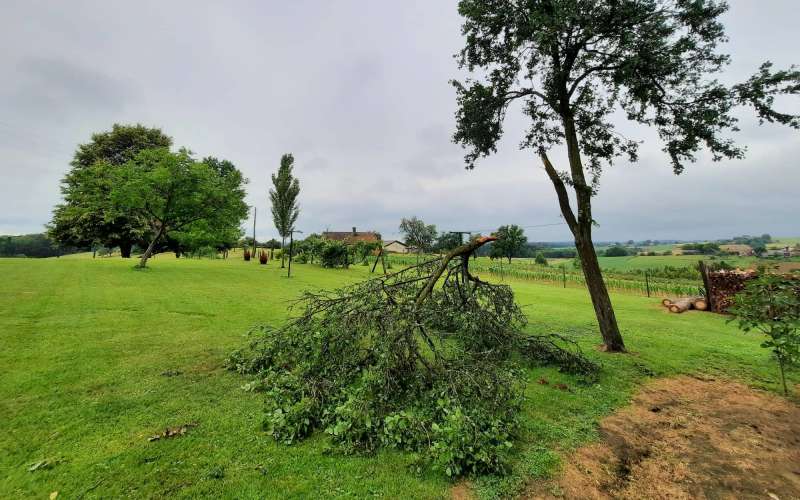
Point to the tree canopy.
(417, 234)
(511, 241)
(174, 193)
(87, 217)
(574, 66)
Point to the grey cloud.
(359, 92)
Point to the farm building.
(740, 250)
(784, 252)
(396, 246)
(678, 250)
(350, 237)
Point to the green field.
(86, 344)
(652, 262)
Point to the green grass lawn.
(84, 344)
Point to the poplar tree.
(283, 197)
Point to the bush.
(616, 251)
(771, 304)
(334, 254)
(540, 259)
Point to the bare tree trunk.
(783, 376)
(283, 250)
(606, 319)
(581, 227)
(150, 248)
(125, 249)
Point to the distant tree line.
(34, 245)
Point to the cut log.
(700, 304)
(681, 305)
(666, 302)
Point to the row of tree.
(32, 245)
(421, 237)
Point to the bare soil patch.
(688, 437)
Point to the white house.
(396, 246)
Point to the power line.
(531, 226)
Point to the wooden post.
(704, 274)
(647, 281)
(378, 257)
(291, 244)
(255, 213)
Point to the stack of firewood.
(724, 285)
(684, 304)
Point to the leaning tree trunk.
(581, 227)
(151, 248)
(606, 319)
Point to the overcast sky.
(358, 91)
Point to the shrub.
(616, 251)
(771, 304)
(334, 254)
(540, 259)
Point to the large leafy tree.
(510, 242)
(87, 216)
(176, 194)
(417, 234)
(201, 235)
(573, 66)
(447, 241)
(283, 197)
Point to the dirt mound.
(689, 438)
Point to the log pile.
(723, 285)
(684, 304)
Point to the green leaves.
(771, 304)
(374, 365)
(417, 234)
(576, 63)
(283, 197)
(173, 192)
(510, 242)
(88, 215)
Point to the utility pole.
(255, 214)
(291, 245)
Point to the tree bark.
(606, 319)
(783, 376)
(581, 228)
(125, 249)
(283, 250)
(150, 248)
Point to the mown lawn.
(84, 345)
